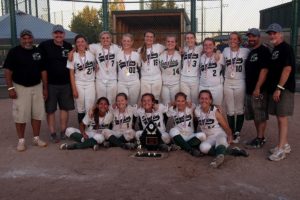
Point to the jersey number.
(239, 68)
(175, 71)
(131, 70)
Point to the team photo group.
(163, 96)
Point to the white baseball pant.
(131, 89)
(191, 90)
(151, 86)
(108, 89)
(86, 97)
(234, 95)
(168, 93)
(216, 91)
(213, 140)
(91, 134)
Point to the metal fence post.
(294, 28)
(105, 15)
(193, 16)
(13, 26)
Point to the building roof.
(42, 30)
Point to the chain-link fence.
(213, 18)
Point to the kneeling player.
(218, 133)
(183, 132)
(152, 113)
(122, 134)
(89, 134)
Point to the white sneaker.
(277, 155)
(217, 161)
(39, 142)
(21, 146)
(286, 148)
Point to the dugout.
(162, 22)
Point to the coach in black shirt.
(281, 87)
(256, 69)
(23, 73)
(55, 55)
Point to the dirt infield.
(49, 173)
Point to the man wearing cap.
(55, 55)
(281, 88)
(23, 73)
(256, 69)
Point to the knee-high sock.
(88, 143)
(76, 136)
(239, 122)
(178, 139)
(80, 117)
(220, 149)
(231, 122)
(115, 141)
(194, 142)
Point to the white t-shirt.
(182, 120)
(106, 59)
(150, 69)
(170, 66)
(156, 117)
(210, 70)
(84, 67)
(128, 66)
(234, 62)
(191, 63)
(208, 121)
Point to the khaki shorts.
(29, 103)
(256, 108)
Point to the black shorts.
(256, 108)
(285, 107)
(61, 95)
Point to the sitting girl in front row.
(91, 127)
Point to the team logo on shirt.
(122, 121)
(36, 56)
(275, 55)
(129, 63)
(237, 61)
(190, 56)
(146, 120)
(152, 56)
(169, 64)
(65, 53)
(185, 118)
(205, 121)
(254, 57)
(106, 57)
(208, 66)
(88, 65)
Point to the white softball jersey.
(234, 62)
(150, 69)
(208, 121)
(182, 120)
(104, 122)
(84, 68)
(106, 59)
(128, 66)
(190, 64)
(123, 121)
(156, 116)
(210, 70)
(170, 66)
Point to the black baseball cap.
(58, 28)
(253, 31)
(26, 32)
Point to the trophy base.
(145, 155)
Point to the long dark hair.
(96, 112)
(144, 47)
(78, 37)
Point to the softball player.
(234, 85)
(151, 81)
(106, 76)
(170, 64)
(128, 62)
(211, 77)
(82, 76)
(189, 82)
(183, 131)
(89, 134)
(122, 132)
(149, 113)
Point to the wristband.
(280, 87)
(10, 88)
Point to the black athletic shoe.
(256, 143)
(63, 136)
(54, 138)
(129, 146)
(164, 148)
(236, 151)
(195, 152)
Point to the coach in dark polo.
(23, 73)
(256, 104)
(281, 87)
(55, 55)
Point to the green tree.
(88, 22)
(161, 4)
